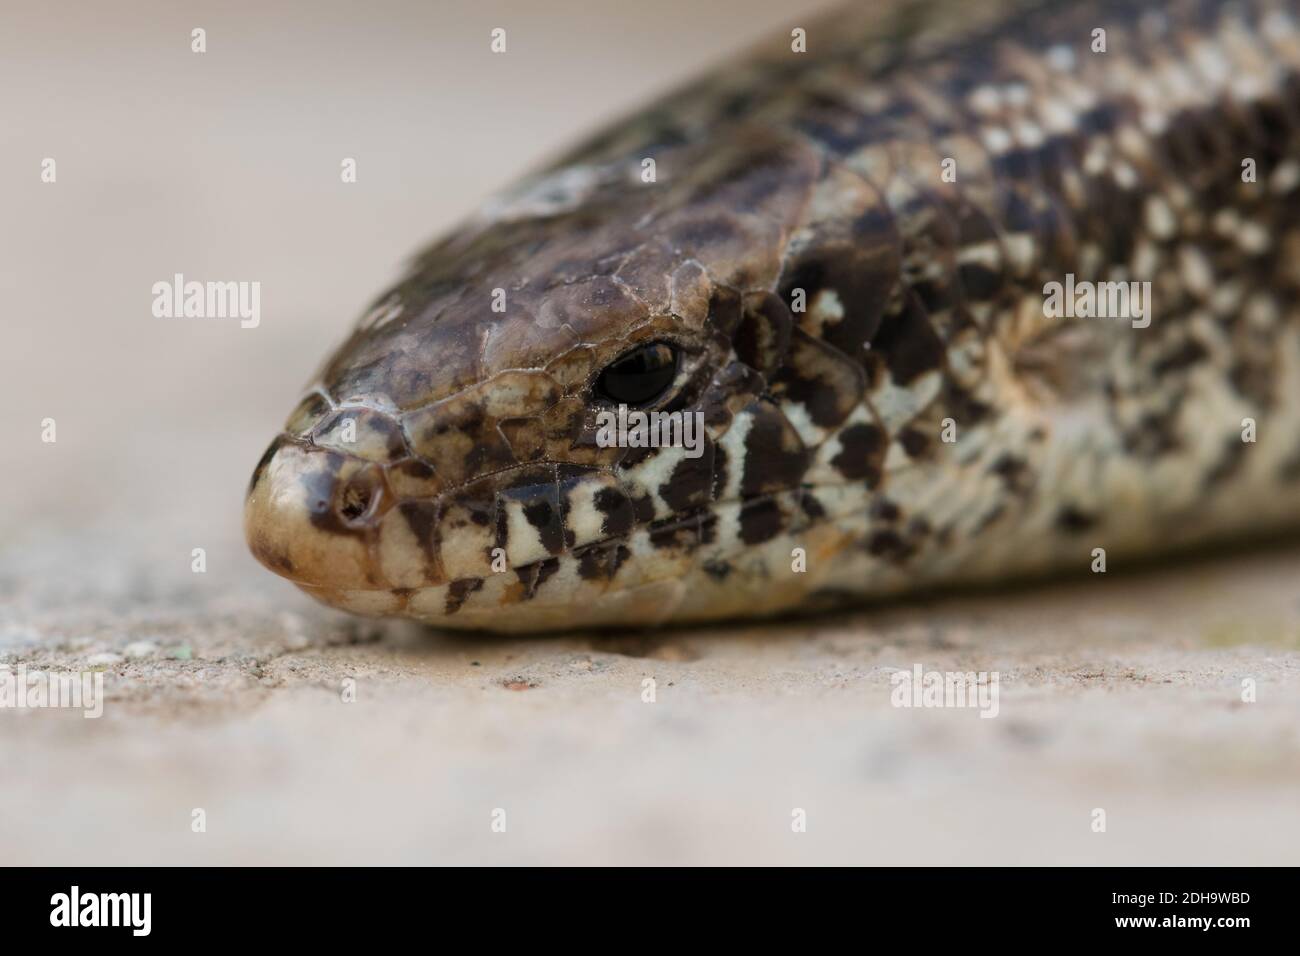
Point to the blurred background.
(224, 687)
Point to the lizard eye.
(640, 376)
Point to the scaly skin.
(923, 421)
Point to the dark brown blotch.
(540, 503)
(763, 337)
(717, 569)
(1187, 353)
(675, 534)
(616, 510)
(760, 520)
(422, 518)
(889, 545)
(544, 515)
(691, 483)
(1014, 472)
(811, 506)
(534, 575)
(459, 591)
(775, 458)
(824, 380)
(1074, 520)
(862, 453)
(1231, 458)
(914, 442)
(725, 310)
(908, 343)
(861, 265)
(600, 562)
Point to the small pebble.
(139, 649)
(294, 637)
(103, 659)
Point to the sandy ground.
(225, 690)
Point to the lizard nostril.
(359, 498)
(311, 515)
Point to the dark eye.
(639, 376)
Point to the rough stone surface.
(1122, 693)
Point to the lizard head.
(448, 464)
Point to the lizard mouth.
(324, 519)
(334, 526)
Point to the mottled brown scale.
(849, 252)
